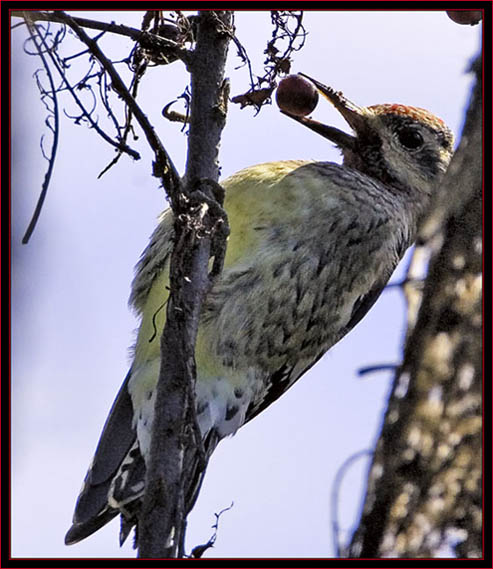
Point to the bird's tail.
(193, 473)
(123, 493)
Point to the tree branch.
(164, 167)
(146, 39)
(176, 456)
(121, 146)
(56, 131)
(424, 486)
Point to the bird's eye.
(410, 138)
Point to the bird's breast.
(307, 242)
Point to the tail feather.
(80, 531)
(120, 492)
(117, 440)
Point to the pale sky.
(71, 327)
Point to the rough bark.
(424, 492)
(197, 220)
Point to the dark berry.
(296, 95)
(465, 17)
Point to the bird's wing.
(279, 382)
(115, 477)
(117, 438)
(362, 306)
(152, 260)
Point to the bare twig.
(334, 498)
(139, 71)
(146, 39)
(55, 42)
(173, 116)
(55, 129)
(200, 232)
(105, 89)
(86, 114)
(375, 368)
(15, 26)
(199, 550)
(84, 51)
(276, 63)
(164, 168)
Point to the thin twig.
(164, 167)
(199, 550)
(84, 51)
(374, 368)
(334, 497)
(14, 26)
(257, 96)
(104, 91)
(173, 116)
(145, 38)
(55, 129)
(121, 146)
(138, 74)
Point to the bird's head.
(405, 147)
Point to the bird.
(312, 245)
